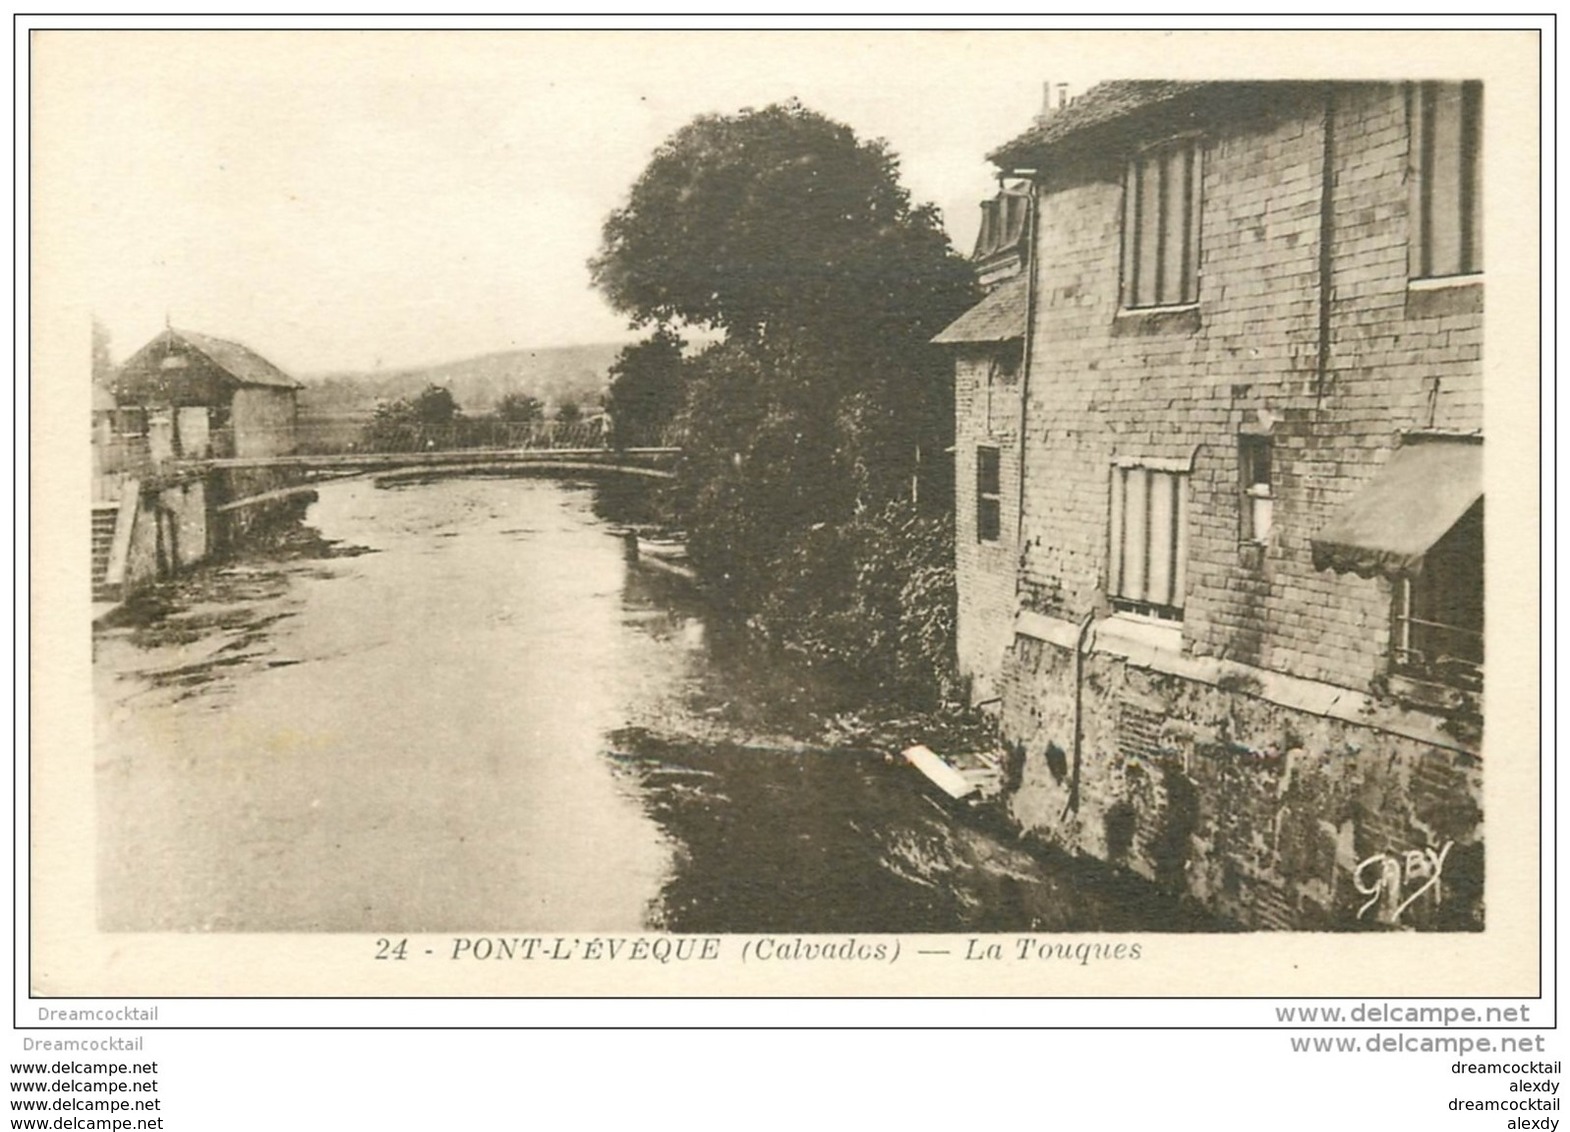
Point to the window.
(1439, 613)
(1258, 505)
(1446, 180)
(1148, 548)
(989, 495)
(1161, 227)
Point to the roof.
(1410, 504)
(997, 318)
(240, 362)
(1102, 104)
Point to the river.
(456, 705)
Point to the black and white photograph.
(905, 498)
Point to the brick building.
(1219, 458)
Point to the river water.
(455, 705)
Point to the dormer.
(1000, 243)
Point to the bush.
(873, 599)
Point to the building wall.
(1227, 761)
(192, 429)
(263, 419)
(984, 571)
(1183, 385)
(169, 532)
(1249, 796)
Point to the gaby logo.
(1398, 879)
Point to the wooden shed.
(208, 397)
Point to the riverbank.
(454, 706)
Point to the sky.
(350, 201)
(355, 200)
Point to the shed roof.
(997, 318)
(240, 362)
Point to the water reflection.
(455, 705)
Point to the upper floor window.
(1147, 556)
(1161, 203)
(989, 494)
(1446, 180)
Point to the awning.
(1408, 506)
(997, 318)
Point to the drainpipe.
(1025, 355)
(1079, 707)
(1326, 235)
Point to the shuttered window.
(1148, 546)
(1161, 202)
(989, 495)
(1446, 180)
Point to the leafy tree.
(779, 220)
(782, 230)
(568, 413)
(434, 405)
(646, 387)
(406, 424)
(519, 408)
(393, 427)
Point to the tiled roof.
(240, 362)
(997, 318)
(1101, 104)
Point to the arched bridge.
(651, 463)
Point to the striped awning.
(1409, 505)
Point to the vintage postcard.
(715, 513)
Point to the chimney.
(1046, 102)
(1054, 97)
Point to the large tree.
(824, 401)
(783, 230)
(781, 221)
(647, 388)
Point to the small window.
(1446, 180)
(1258, 504)
(989, 495)
(1161, 203)
(1006, 361)
(1148, 545)
(1439, 613)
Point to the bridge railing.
(328, 436)
(481, 432)
(332, 436)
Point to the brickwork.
(1273, 809)
(1109, 384)
(1269, 816)
(985, 570)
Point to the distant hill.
(552, 374)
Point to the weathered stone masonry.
(1253, 759)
